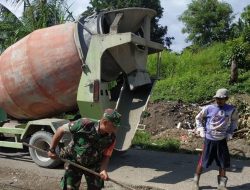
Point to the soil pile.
(176, 120)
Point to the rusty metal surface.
(39, 75)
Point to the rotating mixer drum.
(40, 73)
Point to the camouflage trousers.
(72, 178)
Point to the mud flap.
(131, 104)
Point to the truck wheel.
(42, 140)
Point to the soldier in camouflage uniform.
(91, 146)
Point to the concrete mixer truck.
(89, 65)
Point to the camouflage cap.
(113, 116)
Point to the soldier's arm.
(55, 140)
(105, 162)
(104, 167)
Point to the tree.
(41, 14)
(158, 32)
(207, 21)
(237, 49)
(236, 29)
(37, 14)
(242, 27)
(11, 29)
(245, 16)
(234, 56)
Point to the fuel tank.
(39, 74)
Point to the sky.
(172, 10)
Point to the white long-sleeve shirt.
(217, 121)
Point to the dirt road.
(147, 170)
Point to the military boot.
(222, 182)
(195, 185)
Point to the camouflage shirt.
(88, 145)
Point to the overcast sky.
(172, 10)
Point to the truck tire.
(42, 140)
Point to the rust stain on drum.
(40, 73)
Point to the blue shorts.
(215, 150)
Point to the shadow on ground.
(177, 167)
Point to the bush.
(236, 50)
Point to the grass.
(144, 141)
(194, 77)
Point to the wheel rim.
(44, 146)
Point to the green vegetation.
(143, 140)
(36, 15)
(194, 77)
(207, 21)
